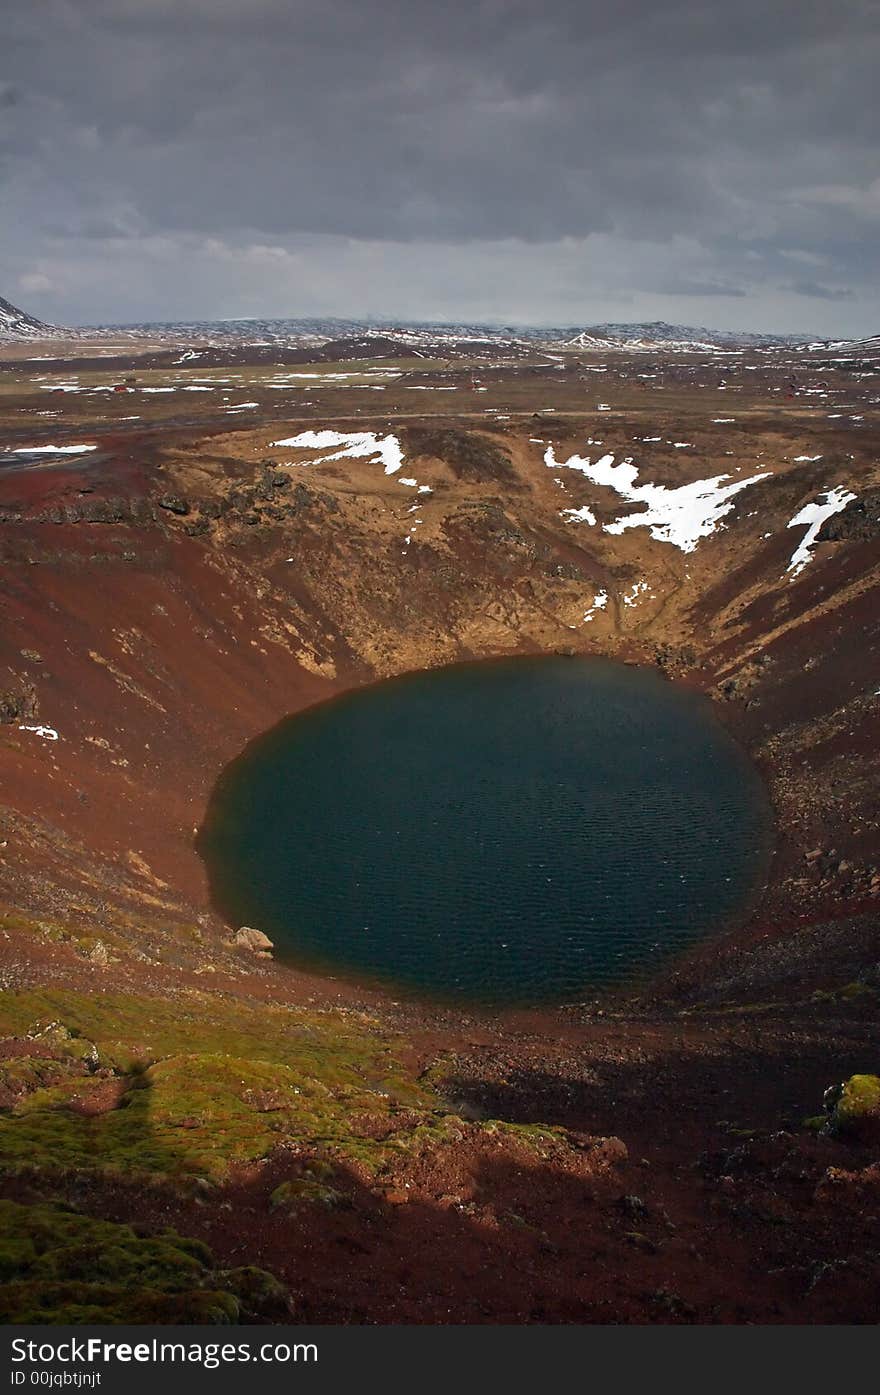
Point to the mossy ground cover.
(204, 1084)
(175, 1093)
(149, 1088)
(854, 1108)
(60, 1267)
(192, 1096)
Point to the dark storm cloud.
(736, 134)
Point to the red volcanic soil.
(175, 593)
(693, 1195)
(171, 596)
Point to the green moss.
(313, 1187)
(856, 989)
(197, 1115)
(303, 1192)
(23, 1073)
(57, 1266)
(815, 1122)
(333, 1047)
(856, 1110)
(256, 1289)
(51, 1304)
(207, 1083)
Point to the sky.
(707, 162)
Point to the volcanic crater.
(214, 545)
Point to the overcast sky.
(713, 162)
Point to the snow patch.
(355, 444)
(584, 515)
(679, 516)
(52, 450)
(600, 601)
(814, 515)
(631, 597)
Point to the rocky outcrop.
(172, 503)
(248, 938)
(858, 522)
(19, 703)
(133, 510)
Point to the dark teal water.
(517, 831)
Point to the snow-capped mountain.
(433, 338)
(455, 338)
(871, 345)
(15, 324)
(657, 334)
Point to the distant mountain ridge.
(17, 324)
(443, 337)
(642, 335)
(656, 334)
(870, 345)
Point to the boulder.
(248, 938)
(172, 503)
(853, 1109)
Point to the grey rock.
(246, 937)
